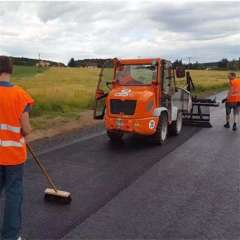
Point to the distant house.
(59, 65)
(92, 65)
(43, 64)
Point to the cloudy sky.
(205, 31)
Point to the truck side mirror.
(154, 82)
(120, 68)
(180, 72)
(99, 94)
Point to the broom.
(51, 194)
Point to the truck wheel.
(176, 126)
(161, 133)
(115, 136)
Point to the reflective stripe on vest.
(10, 128)
(9, 143)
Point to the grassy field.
(207, 82)
(63, 93)
(60, 93)
(24, 72)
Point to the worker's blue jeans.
(11, 181)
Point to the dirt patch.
(86, 120)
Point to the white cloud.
(60, 30)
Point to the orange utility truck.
(140, 96)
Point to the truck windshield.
(136, 74)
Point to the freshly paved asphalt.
(186, 189)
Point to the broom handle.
(44, 170)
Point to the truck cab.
(140, 96)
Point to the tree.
(177, 63)
(71, 63)
(223, 63)
(233, 65)
(197, 65)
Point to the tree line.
(223, 64)
(97, 62)
(32, 62)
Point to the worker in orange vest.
(15, 105)
(232, 100)
(124, 76)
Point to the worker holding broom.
(15, 105)
(232, 101)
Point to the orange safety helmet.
(12, 143)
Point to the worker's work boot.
(21, 238)
(227, 125)
(234, 127)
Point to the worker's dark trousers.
(11, 182)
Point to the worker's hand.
(224, 100)
(25, 124)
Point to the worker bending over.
(15, 105)
(232, 101)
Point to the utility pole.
(189, 61)
(190, 85)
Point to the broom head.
(57, 196)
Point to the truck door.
(168, 87)
(104, 85)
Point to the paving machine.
(200, 113)
(140, 96)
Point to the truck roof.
(139, 61)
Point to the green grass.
(61, 94)
(207, 82)
(25, 72)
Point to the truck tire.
(115, 136)
(176, 127)
(161, 133)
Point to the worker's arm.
(224, 100)
(228, 95)
(25, 124)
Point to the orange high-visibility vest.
(13, 101)
(126, 79)
(234, 93)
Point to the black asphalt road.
(186, 189)
(94, 171)
(191, 193)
